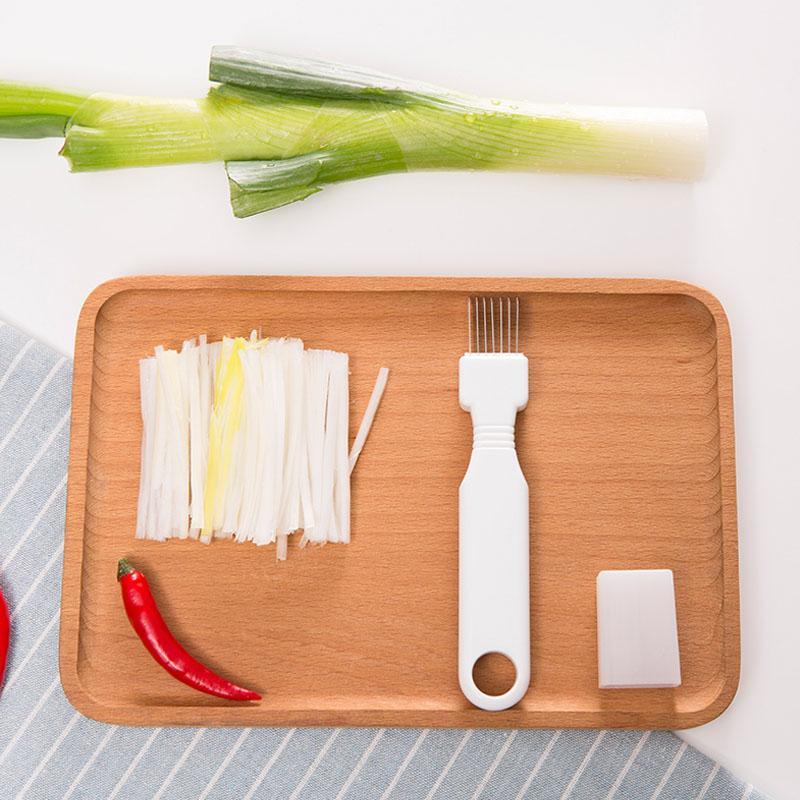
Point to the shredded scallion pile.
(287, 127)
(247, 439)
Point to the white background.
(736, 232)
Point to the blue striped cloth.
(49, 751)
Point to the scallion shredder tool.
(493, 507)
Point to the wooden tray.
(627, 444)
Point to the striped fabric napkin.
(49, 751)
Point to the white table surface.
(735, 233)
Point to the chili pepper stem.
(124, 567)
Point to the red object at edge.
(5, 636)
(146, 620)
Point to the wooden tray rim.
(252, 715)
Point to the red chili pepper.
(155, 635)
(5, 636)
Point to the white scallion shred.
(145, 509)
(247, 438)
(369, 416)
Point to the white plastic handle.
(494, 576)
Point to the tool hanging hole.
(494, 673)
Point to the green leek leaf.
(309, 77)
(34, 112)
(246, 204)
(32, 126)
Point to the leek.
(256, 453)
(288, 127)
(34, 112)
(368, 418)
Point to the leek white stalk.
(339, 399)
(255, 443)
(223, 429)
(316, 387)
(369, 417)
(163, 504)
(292, 363)
(247, 438)
(199, 383)
(147, 383)
(287, 127)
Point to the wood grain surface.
(627, 444)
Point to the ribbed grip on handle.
(493, 436)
